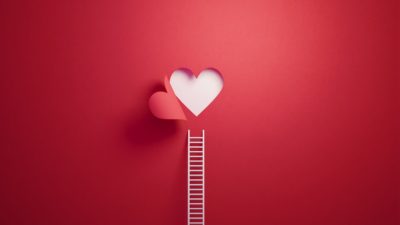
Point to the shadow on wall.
(145, 129)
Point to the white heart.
(196, 93)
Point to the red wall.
(305, 131)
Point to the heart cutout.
(164, 105)
(196, 93)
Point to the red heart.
(164, 105)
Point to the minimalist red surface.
(306, 130)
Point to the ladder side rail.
(203, 172)
(188, 187)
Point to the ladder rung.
(195, 146)
(196, 170)
(196, 223)
(196, 213)
(196, 204)
(196, 142)
(196, 160)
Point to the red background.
(305, 131)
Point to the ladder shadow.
(145, 129)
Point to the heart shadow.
(145, 129)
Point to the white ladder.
(196, 184)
